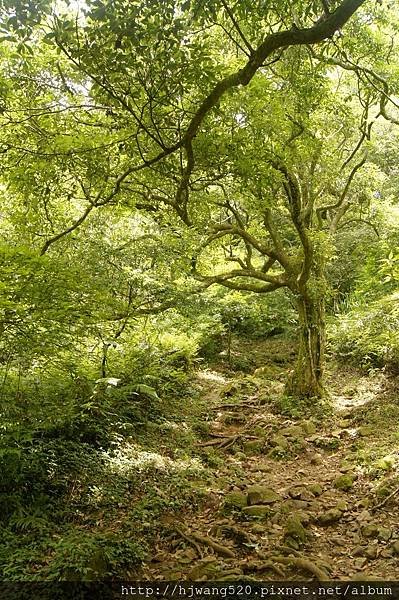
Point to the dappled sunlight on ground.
(211, 376)
(363, 390)
(131, 457)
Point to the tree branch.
(276, 41)
(237, 27)
(340, 205)
(62, 234)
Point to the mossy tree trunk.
(306, 380)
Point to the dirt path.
(288, 498)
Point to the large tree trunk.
(307, 379)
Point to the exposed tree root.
(194, 537)
(249, 404)
(383, 502)
(288, 550)
(297, 560)
(241, 536)
(267, 564)
(190, 541)
(304, 564)
(227, 442)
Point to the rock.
(290, 505)
(365, 430)
(328, 443)
(364, 516)
(280, 441)
(345, 467)
(294, 530)
(386, 553)
(371, 551)
(258, 528)
(343, 423)
(359, 563)
(300, 444)
(301, 493)
(307, 496)
(370, 531)
(258, 494)
(308, 427)
(253, 447)
(299, 504)
(342, 505)
(295, 432)
(316, 489)
(276, 518)
(338, 541)
(358, 551)
(344, 482)
(330, 516)
(384, 534)
(235, 500)
(257, 510)
(316, 459)
(263, 468)
(296, 491)
(204, 570)
(395, 547)
(304, 517)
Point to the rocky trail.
(288, 497)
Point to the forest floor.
(286, 492)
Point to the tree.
(288, 188)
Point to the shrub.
(368, 336)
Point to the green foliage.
(257, 316)
(88, 556)
(305, 407)
(76, 555)
(368, 334)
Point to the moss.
(258, 494)
(280, 441)
(344, 482)
(315, 488)
(235, 500)
(294, 530)
(308, 427)
(386, 464)
(257, 510)
(253, 447)
(330, 516)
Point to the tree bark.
(306, 380)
